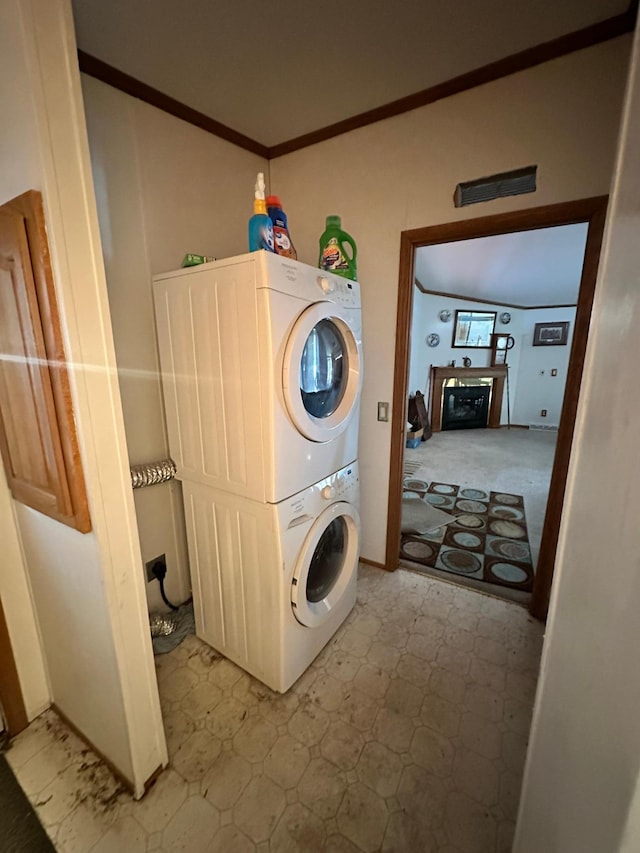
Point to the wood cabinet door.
(37, 430)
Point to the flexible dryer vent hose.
(152, 473)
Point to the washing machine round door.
(327, 564)
(322, 373)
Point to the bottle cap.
(273, 201)
(335, 221)
(260, 186)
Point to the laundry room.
(171, 204)
(320, 698)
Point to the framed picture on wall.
(473, 329)
(550, 334)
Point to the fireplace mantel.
(440, 374)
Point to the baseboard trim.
(376, 565)
(514, 426)
(128, 784)
(151, 781)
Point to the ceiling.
(527, 269)
(274, 73)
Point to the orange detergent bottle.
(281, 237)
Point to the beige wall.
(580, 793)
(87, 591)
(401, 173)
(19, 170)
(164, 188)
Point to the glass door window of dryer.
(327, 561)
(323, 370)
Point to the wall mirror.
(474, 329)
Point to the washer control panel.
(340, 483)
(304, 507)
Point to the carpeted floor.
(517, 461)
(486, 540)
(20, 829)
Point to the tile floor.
(408, 733)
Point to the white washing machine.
(261, 362)
(272, 583)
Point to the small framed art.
(550, 334)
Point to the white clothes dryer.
(272, 583)
(261, 360)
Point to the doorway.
(591, 211)
(494, 413)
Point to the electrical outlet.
(543, 413)
(554, 372)
(162, 559)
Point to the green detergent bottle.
(338, 250)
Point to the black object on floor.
(20, 829)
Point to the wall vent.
(517, 182)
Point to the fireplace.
(466, 407)
(471, 387)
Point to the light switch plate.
(383, 411)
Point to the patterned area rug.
(487, 540)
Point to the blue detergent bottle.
(260, 225)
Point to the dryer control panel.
(275, 272)
(339, 290)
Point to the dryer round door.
(326, 565)
(322, 373)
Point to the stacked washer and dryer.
(261, 361)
